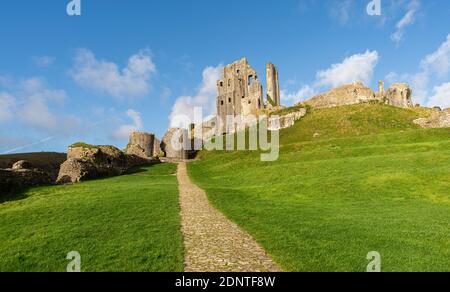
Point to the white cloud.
(7, 104)
(433, 70)
(439, 61)
(31, 104)
(204, 98)
(356, 67)
(441, 96)
(407, 20)
(36, 113)
(44, 61)
(123, 132)
(105, 77)
(303, 93)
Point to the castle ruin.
(273, 86)
(240, 92)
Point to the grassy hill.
(349, 181)
(126, 223)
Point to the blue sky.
(131, 65)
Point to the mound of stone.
(77, 170)
(344, 95)
(21, 165)
(399, 95)
(438, 119)
(87, 162)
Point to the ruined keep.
(273, 86)
(240, 93)
(145, 141)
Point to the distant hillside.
(48, 161)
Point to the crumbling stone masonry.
(399, 95)
(175, 144)
(273, 86)
(146, 141)
(240, 92)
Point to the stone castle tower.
(145, 140)
(241, 92)
(273, 86)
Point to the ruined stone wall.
(175, 143)
(145, 140)
(273, 86)
(15, 180)
(240, 93)
(399, 95)
(438, 119)
(345, 95)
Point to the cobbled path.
(212, 242)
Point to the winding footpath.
(212, 242)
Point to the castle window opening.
(229, 100)
(250, 80)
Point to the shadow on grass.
(141, 168)
(13, 195)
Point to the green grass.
(372, 181)
(126, 223)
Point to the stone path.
(212, 242)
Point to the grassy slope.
(371, 182)
(127, 223)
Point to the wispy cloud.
(30, 103)
(407, 20)
(44, 61)
(124, 131)
(341, 10)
